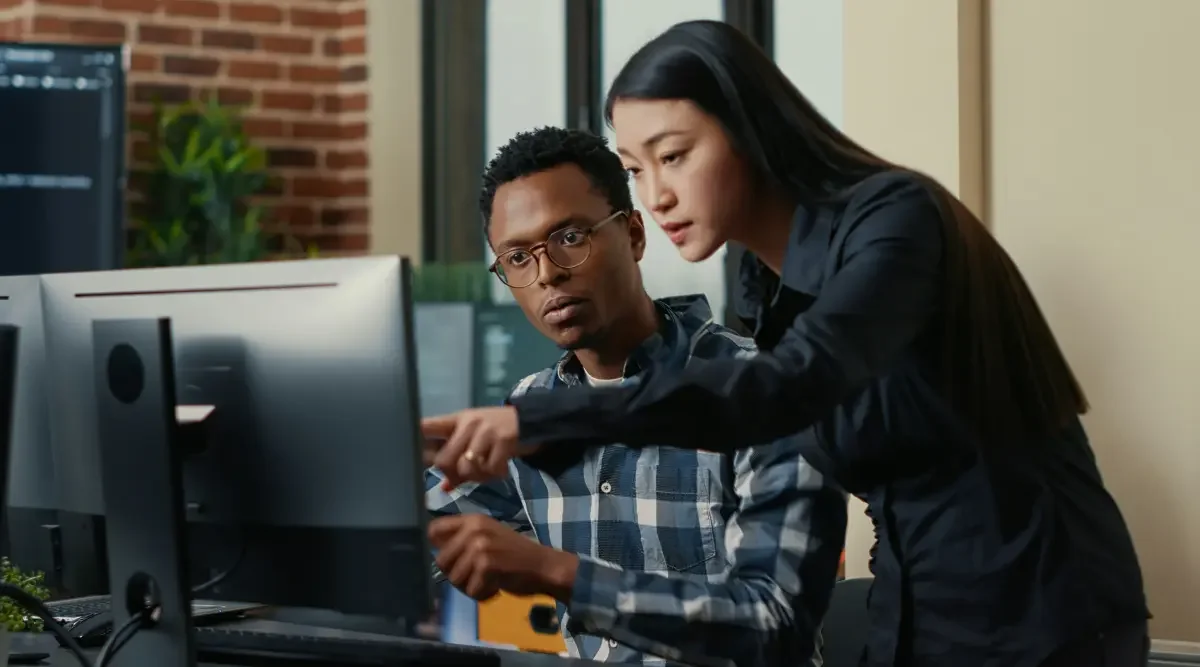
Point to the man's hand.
(477, 444)
(482, 556)
(430, 450)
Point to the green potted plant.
(198, 197)
(453, 281)
(13, 617)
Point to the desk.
(1162, 654)
(63, 658)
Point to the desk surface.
(1162, 652)
(517, 659)
(63, 658)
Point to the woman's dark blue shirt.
(989, 557)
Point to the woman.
(899, 331)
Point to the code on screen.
(62, 129)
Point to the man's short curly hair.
(548, 147)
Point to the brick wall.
(297, 67)
(14, 17)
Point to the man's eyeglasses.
(567, 248)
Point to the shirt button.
(606, 487)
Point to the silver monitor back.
(309, 365)
(31, 482)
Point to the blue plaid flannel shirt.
(685, 556)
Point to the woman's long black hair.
(1002, 369)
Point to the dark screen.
(61, 166)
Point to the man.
(692, 556)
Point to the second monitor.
(311, 450)
(8, 374)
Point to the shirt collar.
(680, 317)
(803, 263)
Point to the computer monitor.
(37, 537)
(8, 376)
(32, 483)
(446, 356)
(313, 447)
(62, 167)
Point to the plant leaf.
(199, 207)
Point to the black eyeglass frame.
(588, 232)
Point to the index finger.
(448, 455)
(439, 427)
(443, 528)
(429, 450)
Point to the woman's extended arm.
(865, 317)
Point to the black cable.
(120, 637)
(216, 581)
(35, 607)
(123, 634)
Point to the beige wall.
(1095, 168)
(913, 86)
(394, 51)
(1086, 163)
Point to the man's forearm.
(743, 622)
(561, 568)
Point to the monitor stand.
(143, 489)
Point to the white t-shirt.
(597, 382)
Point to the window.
(808, 48)
(453, 34)
(626, 26)
(526, 78)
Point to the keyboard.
(276, 649)
(65, 611)
(89, 619)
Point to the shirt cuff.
(598, 586)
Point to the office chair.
(845, 628)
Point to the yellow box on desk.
(504, 619)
